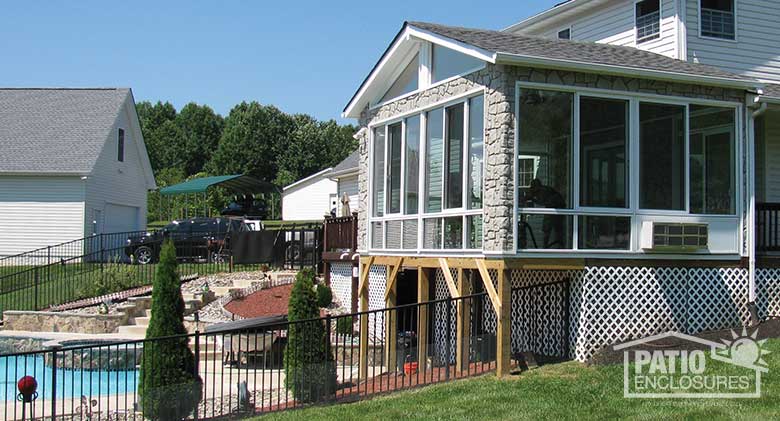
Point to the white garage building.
(310, 198)
(72, 163)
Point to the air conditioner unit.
(674, 236)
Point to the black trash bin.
(486, 347)
(406, 349)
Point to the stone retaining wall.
(45, 321)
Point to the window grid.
(648, 27)
(717, 23)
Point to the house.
(72, 164)
(310, 198)
(616, 180)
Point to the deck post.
(503, 330)
(391, 318)
(463, 323)
(363, 301)
(423, 286)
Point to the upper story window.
(648, 20)
(120, 146)
(717, 19)
(564, 33)
(407, 81)
(448, 63)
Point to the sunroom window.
(434, 159)
(412, 162)
(662, 156)
(712, 160)
(394, 169)
(379, 171)
(453, 157)
(406, 82)
(448, 63)
(717, 19)
(603, 148)
(648, 20)
(476, 154)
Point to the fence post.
(54, 383)
(422, 318)
(463, 323)
(102, 251)
(503, 328)
(197, 355)
(35, 289)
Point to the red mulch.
(266, 302)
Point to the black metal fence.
(242, 371)
(107, 263)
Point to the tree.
(310, 370)
(169, 385)
(201, 129)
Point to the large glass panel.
(394, 169)
(433, 159)
(407, 81)
(713, 161)
(475, 231)
(545, 141)
(379, 171)
(603, 140)
(661, 156)
(545, 231)
(453, 184)
(453, 232)
(448, 63)
(412, 157)
(604, 232)
(476, 155)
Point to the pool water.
(70, 383)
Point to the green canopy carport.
(237, 184)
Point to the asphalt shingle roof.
(349, 163)
(772, 90)
(576, 51)
(55, 130)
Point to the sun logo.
(745, 350)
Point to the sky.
(302, 56)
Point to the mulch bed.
(266, 302)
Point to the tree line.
(255, 139)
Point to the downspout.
(752, 213)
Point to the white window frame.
(660, 34)
(421, 215)
(736, 25)
(633, 211)
(558, 33)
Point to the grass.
(564, 391)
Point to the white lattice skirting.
(768, 292)
(377, 279)
(341, 283)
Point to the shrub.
(115, 276)
(169, 386)
(324, 295)
(344, 325)
(310, 371)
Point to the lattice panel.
(377, 279)
(441, 327)
(341, 283)
(611, 304)
(768, 292)
(540, 319)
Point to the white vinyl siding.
(309, 200)
(614, 24)
(754, 53)
(349, 185)
(39, 211)
(117, 184)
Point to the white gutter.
(752, 203)
(567, 64)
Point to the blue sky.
(302, 56)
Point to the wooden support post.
(503, 329)
(463, 323)
(423, 286)
(363, 301)
(391, 320)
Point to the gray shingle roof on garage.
(573, 51)
(350, 163)
(55, 130)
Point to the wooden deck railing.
(341, 233)
(767, 227)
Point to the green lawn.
(564, 391)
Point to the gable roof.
(508, 48)
(348, 165)
(316, 175)
(56, 130)
(564, 10)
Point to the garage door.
(120, 218)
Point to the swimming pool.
(70, 382)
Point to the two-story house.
(497, 161)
